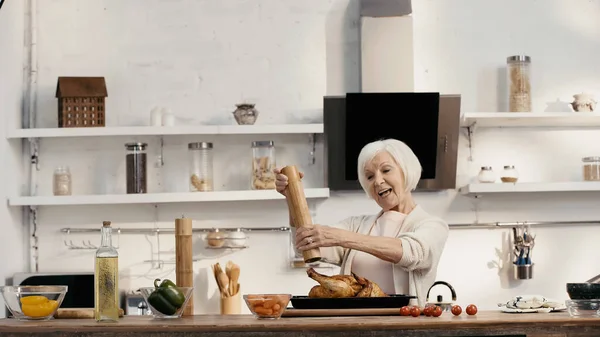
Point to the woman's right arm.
(333, 255)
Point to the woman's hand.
(281, 180)
(316, 236)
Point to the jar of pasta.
(263, 164)
(591, 168)
(519, 83)
(201, 166)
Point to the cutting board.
(340, 312)
(79, 313)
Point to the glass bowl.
(267, 306)
(147, 291)
(33, 302)
(583, 308)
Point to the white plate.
(524, 311)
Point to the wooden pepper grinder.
(298, 208)
(183, 259)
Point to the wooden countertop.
(484, 323)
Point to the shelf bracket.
(470, 130)
(34, 150)
(34, 239)
(312, 207)
(162, 145)
(312, 138)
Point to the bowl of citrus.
(33, 302)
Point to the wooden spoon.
(216, 272)
(235, 275)
(228, 267)
(224, 283)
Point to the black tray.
(393, 301)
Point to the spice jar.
(61, 181)
(136, 168)
(591, 168)
(263, 164)
(236, 239)
(201, 166)
(486, 175)
(215, 238)
(519, 83)
(509, 174)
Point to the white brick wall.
(12, 238)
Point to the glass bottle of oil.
(106, 278)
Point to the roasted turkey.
(338, 286)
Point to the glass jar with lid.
(509, 174)
(263, 164)
(201, 166)
(591, 168)
(518, 69)
(486, 175)
(61, 181)
(136, 168)
(215, 238)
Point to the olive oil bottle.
(106, 278)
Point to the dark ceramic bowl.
(583, 291)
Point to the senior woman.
(399, 248)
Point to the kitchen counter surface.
(485, 323)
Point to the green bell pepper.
(167, 298)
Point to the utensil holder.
(231, 305)
(523, 271)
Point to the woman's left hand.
(316, 236)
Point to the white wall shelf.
(158, 198)
(487, 188)
(530, 119)
(165, 130)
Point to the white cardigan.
(423, 238)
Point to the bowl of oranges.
(33, 302)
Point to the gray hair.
(402, 154)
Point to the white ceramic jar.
(236, 239)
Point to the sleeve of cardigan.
(424, 245)
(335, 255)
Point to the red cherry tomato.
(471, 309)
(428, 310)
(456, 310)
(437, 311)
(415, 311)
(405, 311)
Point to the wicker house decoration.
(81, 102)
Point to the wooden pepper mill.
(298, 208)
(183, 259)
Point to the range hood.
(387, 60)
(387, 69)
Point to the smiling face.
(386, 182)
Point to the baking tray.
(392, 301)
